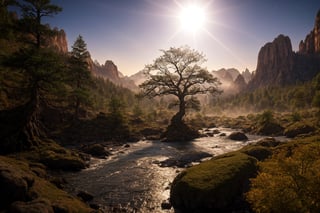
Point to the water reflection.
(132, 181)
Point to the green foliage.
(79, 75)
(287, 98)
(288, 182)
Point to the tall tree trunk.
(178, 117)
(32, 127)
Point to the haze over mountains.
(277, 65)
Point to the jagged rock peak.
(311, 44)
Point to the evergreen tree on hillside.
(41, 70)
(33, 11)
(80, 75)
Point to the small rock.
(126, 145)
(223, 134)
(85, 196)
(238, 136)
(166, 204)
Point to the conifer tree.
(80, 74)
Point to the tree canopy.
(178, 72)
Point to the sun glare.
(192, 18)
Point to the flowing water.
(132, 180)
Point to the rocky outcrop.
(59, 41)
(311, 44)
(278, 65)
(247, 75)
(275, 64)
(22, 190)
(240, 83)
(108, 70)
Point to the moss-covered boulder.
(216, 185)
(54, 157)
(96, 150)
(22, 190)
(270, 128)
(259, 152)
(298, 129)
(179, 132)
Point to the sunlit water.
(131, 179)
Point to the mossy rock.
(259, 152)
(298, 129)
(216, 185)
(179, 132)
(271, 128)
(238, 136)
(37, 194)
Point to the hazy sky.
(131, 32)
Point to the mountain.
(279, 65)
(247, 75)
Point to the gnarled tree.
(178, 72)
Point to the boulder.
(14, 184)
(270, 128)
(268, 142)
(96, 150)
(298, 129)
(238, 136)
(217, 185)
(259, 152)
(64, 162)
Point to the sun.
(192, 18)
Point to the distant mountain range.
(277, 65)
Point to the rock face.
(311, 44)
(59, 41)
(278, 65)
(275, 63)
(108, 70)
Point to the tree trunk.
(178, 117)
(32, 127)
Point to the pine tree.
(80, 75)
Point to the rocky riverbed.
(137, 177)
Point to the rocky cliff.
(107, 70)
(59, 41)
(311, 44)
(278, 65)
(275, 63)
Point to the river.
(132, 178)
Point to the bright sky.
(230, 33)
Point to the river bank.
(137, 177)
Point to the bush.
(289, 182)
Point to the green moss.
(41, 188)
(258, 152)
(214, 184)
